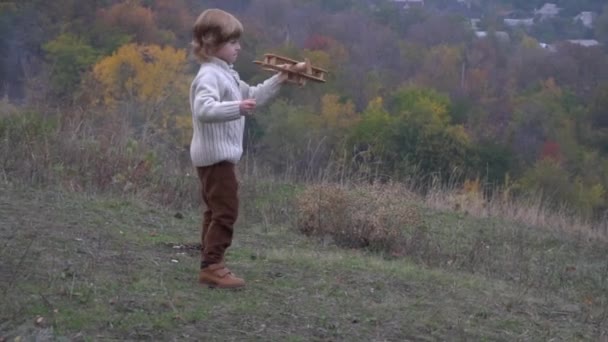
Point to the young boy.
(220, 101)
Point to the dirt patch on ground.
(190, 249)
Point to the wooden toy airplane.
(279, 63)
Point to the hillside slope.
(78, 267)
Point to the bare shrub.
(375, 217)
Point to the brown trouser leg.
(220, 193)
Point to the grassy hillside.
(84, 267)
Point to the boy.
(220, 101)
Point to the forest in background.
(95, 94)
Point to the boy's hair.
(213, 28)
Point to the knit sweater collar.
(221, 63)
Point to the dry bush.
(358, 216)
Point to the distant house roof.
(407, 2)
(586, 18)
(519, 22)
(502, 35)
(548, 47)
(584, 42)
(474, 23)
(548, 10)
(410, 3)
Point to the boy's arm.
(206, 104)
(262, 92)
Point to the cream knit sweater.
(218, 125)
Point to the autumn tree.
(442, 69)
(337, 115)
(134, 19)
(150, 77)
(437, 30)
(173, 16)
(397, 20)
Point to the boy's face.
(229, 51)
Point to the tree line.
(410, 93)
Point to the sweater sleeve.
(262, 92)
(207, 105)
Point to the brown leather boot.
(217, 275)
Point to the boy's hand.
(247, 106)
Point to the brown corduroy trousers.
(219, 187)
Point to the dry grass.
(357, 217)
(530, 211)
(89, 152)
(101, 152)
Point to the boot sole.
(213, 285)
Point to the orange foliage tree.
(173, 16)
(131, 18)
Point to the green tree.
(541, 116)
(69, 57)
(594, 131)
(5, 32)
(601, 27)
(417, 137)
(288, 138)
(557, 29)
(372, 132)
(558, 189)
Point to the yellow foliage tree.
(318, 58)
(336, 114)
(151, 77)
(144, 73)
(442, 68)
